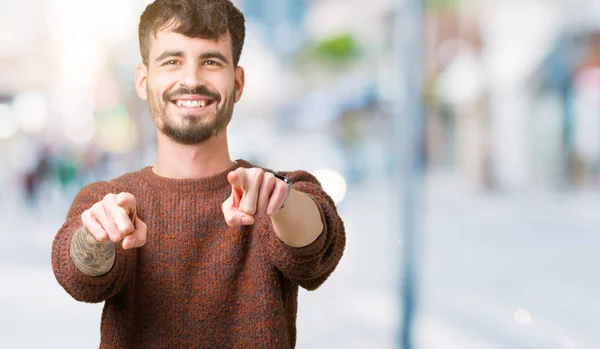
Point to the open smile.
(192, 103)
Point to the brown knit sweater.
(198, 283)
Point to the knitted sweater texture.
(198, 283)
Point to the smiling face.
(191, 85)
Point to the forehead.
(167, 39)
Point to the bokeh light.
(333, 183)
(522, 317)
(8, 126)
(114, 129)
(78, 121)
(30, 111)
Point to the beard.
(193, 128)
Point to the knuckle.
(266, 179)
(98, 206)
(86, 215)
(254, 175)
(101, 237)
(248, 208)
(258, 172)
(113, 232)
(97, 210)
(127, 229)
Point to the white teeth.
(192, 104)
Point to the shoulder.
(124, 182)
(128, 181)
(300, 176)
(296, 176)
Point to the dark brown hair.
(206, 19)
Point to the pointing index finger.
(128, 203)
(237, 178)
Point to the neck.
(192, 161)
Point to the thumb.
(232, 214)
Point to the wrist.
(90, 256)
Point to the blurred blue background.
(506, 202)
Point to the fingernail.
(246, 220)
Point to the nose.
(191, 77)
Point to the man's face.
(190, 84)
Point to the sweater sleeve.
(311, 265)
(82, 287)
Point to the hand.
(115, 219)
(254, 193)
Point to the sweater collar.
(196, 184)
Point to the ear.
(141, 79)
(240, 80)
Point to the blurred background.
(500, 190)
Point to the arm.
(309, 264)
(299, 224)
(306, 239)
(78, 284)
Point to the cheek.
(160, 83)
(223, 83)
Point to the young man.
(198, 251)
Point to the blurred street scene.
(510, 147)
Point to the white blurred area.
(511, 151)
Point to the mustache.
(199, 91)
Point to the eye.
(213, 63)
(171, 62)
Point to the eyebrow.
(207, 55)
(214, 54)
(169, 54)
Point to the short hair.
(206, 19)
